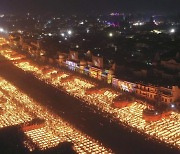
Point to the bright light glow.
(50, 34)
(110, 34)
(138, 23)
(156, 31)
(172, 30)
(172, 105)
(62, 34)
(2, 15)
(1, 30)
(20, 31)
(69, 32)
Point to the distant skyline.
(88, 6)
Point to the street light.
(69, 32)
(110, 34)
(1, 30)
(172, 106)
(62, 34)
(172, 31)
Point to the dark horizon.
(89, 6)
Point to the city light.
(50, 34)
(87, 30)
(172, 30)
(62, 34)
(2, 30)
(1, 15)
(156, 31)
(90, 77)
(81, 23)
(110, 34)
(69, 32)
(172, 106)
(165, 130)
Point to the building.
(147, 91)
(161, 94)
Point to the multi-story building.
(95, 69)
(162, 94)
(147, 91)
(169, 95)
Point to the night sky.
(85, 6)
